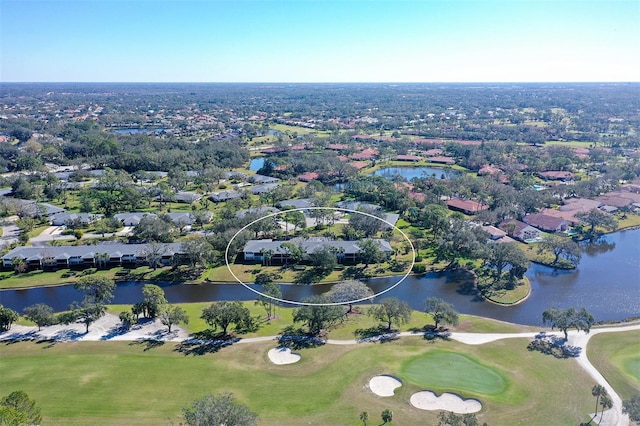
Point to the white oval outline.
(226, 258)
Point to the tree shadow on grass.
(310, 275)
(353, 273)
(181, 273)
(116, 330)
(205, 342)
(431, 333)
(147, 344)
(377, 333)
(554, 345)
(20, 337)
(297, 338)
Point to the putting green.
(452, 371)
(632, 366)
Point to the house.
(441, 160)
(218, 197)
(579, 205)
(258, 179)
(231, 175)
(64, 219)
(187, 197)
(357, 205)
(366, 154)
(560, 175)
(337, 146)
(466, 206)
(182, 219)
(89, 256)
(408, 157)
(261, 211)
(359, 165)
(308, 177)
(298, 203)
(263, 188)
(519, 230)
(488, 170)
(614, 200)
(546, 222)
(569, 216)
(346, 251)
(131, 219)
(494, 233)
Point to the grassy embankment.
(345, 331)
(148, 383)
(617, 357)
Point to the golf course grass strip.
(454, 371)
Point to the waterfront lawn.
(145, 383)
(617, 357)
(352, 328)
(38, 278)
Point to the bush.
(418, 259)
(419, 268)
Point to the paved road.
(10, 234)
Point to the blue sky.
(320, 41)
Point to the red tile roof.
(466, 206)
(308, 177)
(443, 160)
(407, 157)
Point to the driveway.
(10, 234)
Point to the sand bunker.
(283, 356)
(427, 400)
(384, 385)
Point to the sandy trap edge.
(427, 400)
(282, 356)
(384, 385)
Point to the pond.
(607, 284)
(409, 173)
(256, 163)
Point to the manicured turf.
(455, 372)
(120, 383)
(617, 357)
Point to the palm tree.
(598, 391)
(19, 264)
(364, 416)
(606, 402)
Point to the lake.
(409, 173)
(606, 283)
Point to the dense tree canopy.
(218, 410)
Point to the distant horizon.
(323, 82)
(308, 41)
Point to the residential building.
(466, 206)
(88, 256)
(546, 222)
(346, 251)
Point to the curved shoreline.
(517, 302)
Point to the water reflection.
(606, 283)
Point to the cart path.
(108, 328)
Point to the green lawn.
(9, 279)
(617, 357)
(345, 331)
(129, 383)
(453, 372)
